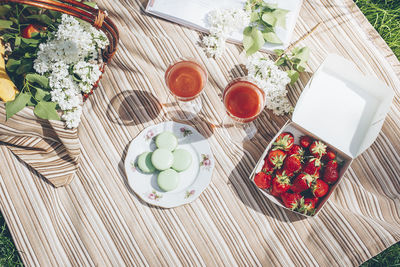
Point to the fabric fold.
(46, 146)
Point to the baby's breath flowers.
(222, 22)
(70, 60)
(270, 78)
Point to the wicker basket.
(98, 18)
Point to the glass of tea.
(243, 101)
(185, 79)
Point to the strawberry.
(305, 141)
(330, 155)
(331, 173)
(332, 164)
(284, 142)
(317, 149)
(280, 183)
(302, 182)
(263, 180)
(276, 158)
(313, 166)
(291, 200)
(307, 205)
(296, 150)
(320, 188)
(292, 164)
(267, 167)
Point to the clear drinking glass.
(185, 79)
(243, 101)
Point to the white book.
(193, 14)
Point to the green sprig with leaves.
(34, 89)
(264, 18)
(295, 61)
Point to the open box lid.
(343, 107)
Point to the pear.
(8, 90)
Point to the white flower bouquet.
(53, 60)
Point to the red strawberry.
(330, 154)
(296, 150)
(291, 200)
(284, 142)
(317, 149)
(331, 173)
(292, 164)
(307, 206)
(280, 184)
(263, 180)
(317, 174)
(305, 141)
(332, 164)
(302, 182)
(312, 166)
(320, 188)
(267, 167)
(276, 158)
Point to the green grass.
(8, 253)
(385, 17)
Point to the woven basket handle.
(96, 17)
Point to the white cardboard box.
(341, 107)
(193, 14)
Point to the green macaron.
(166, 140)
(144, 162)
(182, 160)
(168, 180)
(162, 159)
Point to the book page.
(193, 14)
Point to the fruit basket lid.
(342, 106)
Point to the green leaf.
(91, 4)
(293, 75)
(280, 61)
(280, 16)
(7, 37)
(25, 66)
(12, 64)
(279, 52)
(269, 18)
(41, 18)
(254, 16)
(32, 102)
(5, 24)
(41, 80)
(54, 14)
(4, 9)
(17, 41)
(303, 54)
(30, 41)
(13, 107)
(271, 37)
(269, 5)
(41, 95)
(46, 110)
(254, 40)
(247, 39)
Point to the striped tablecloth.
(98, 221)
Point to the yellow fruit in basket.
(8, 90)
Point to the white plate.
(193, 181)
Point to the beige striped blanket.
(98, 221)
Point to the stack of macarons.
(167, 159)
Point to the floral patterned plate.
(193, 181)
